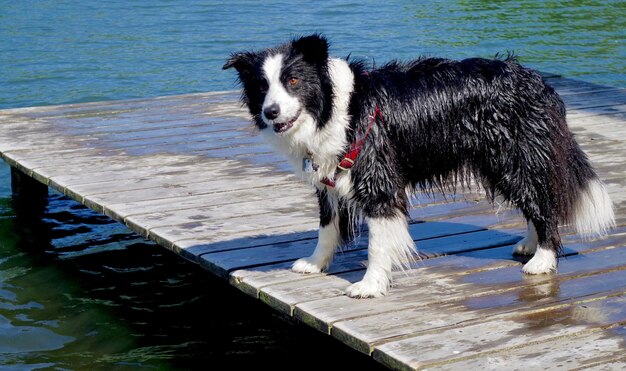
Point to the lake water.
(78, 291)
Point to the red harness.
(355, 147)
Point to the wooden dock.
(189, 172)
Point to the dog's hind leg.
(544, 259)
(542, 240)
(544, 255)
(528, 244)
(329, 237)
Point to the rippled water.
(78, 291)
(71, 51)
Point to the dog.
(366, 138)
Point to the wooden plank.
(266, 200)
(437, 212)
(208, 198)
(97, 164)
(192, 177)
(183, 127)
(617, 364)
(595, 99)
(474, 221)
(364, 330)
(502, 334)
(609, 130)
(252, 154)
(226, 208)
(614, 112)
(181, 135)
(149, 111)
(599, 350)
(85, 145)
(254, 280)
(117, 169)
(91, 148)
(46, 137)
(78, 154)
(9, 144)
(131, 129)
(232, 236)
(233, 196)
(592, 129)
(118, 123)
(185, 141)
(251, 280)
(180, 102)
(137, 194)
(227, 99)
(499, 270)
(189, 165)
(233, 260)
(189, 172)
(287, 296)
(239, 230)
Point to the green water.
(78, 291)
(59, 51)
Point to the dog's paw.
(544, 261)
(308, 265)
(367, 289)
(525, 247)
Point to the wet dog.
(365, 137)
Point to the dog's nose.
(272, 111)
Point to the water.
(75, 51)
(78, 291)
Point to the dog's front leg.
(390, 245)
(328, 237)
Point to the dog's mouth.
(281, 127)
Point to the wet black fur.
(348, 222)
(444, 121)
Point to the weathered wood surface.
(190, 173)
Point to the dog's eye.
(293, 81)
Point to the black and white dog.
(364, 138)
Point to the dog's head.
(287, 85)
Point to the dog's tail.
(585, 202)
(592, 212)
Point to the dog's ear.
(241, 61)
(314, 48)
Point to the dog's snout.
(272, 111)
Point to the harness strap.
(355, 147)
